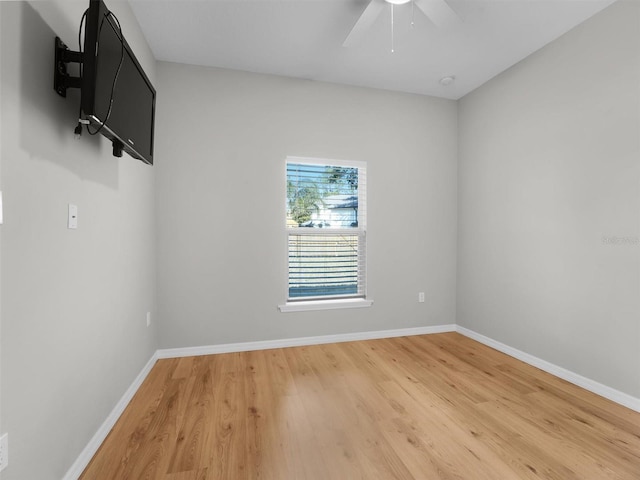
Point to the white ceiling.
(303, 38)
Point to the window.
(326, 233)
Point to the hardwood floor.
(425, 407)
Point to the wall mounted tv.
(117, 98)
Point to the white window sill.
(305, 306)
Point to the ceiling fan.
(438, 11)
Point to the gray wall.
(548, 181)
(549, 202)
(2, 430)
(222, 248)
(73, 302)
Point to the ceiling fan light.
(397, 2)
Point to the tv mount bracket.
(61, 78)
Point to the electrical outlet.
(421, 297)
(4, 451)
(148, 318)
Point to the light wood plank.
(436, 407)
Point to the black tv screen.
(118, 98)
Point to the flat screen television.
(117, 98)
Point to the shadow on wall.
(47, 120)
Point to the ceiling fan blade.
(365, 21)
(438, 11)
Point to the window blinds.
(326, 219)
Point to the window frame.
(330, 302)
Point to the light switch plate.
(72, 221)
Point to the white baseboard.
(300, 341)
(92, 447)
(598, 388)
